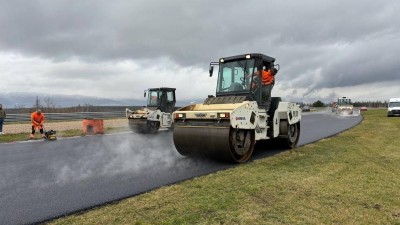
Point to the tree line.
(49, 106)
(369, 104)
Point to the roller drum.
(138, 125)
(213, 142)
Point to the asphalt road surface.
(41, 180)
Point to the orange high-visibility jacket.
(37, 119)
(266, 77)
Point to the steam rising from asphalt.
(130, 153)
(356, 112)
(118, 154)
(328, 110)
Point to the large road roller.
(228, 125)
(157, 113)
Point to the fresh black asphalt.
(41, 180)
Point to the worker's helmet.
(38, 111)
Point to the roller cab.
(227, 126)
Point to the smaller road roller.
(227, 126)
(157, 114)
(343, 106)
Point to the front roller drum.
(138, 125)
(222, 143)
(143, 126)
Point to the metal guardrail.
(24, 117)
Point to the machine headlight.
(223, 115)
(180, 116)
(248, 56)
(221, 60)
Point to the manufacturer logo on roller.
(240, 118)
(200, 114)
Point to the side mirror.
(144, 95)
(277, 67)
(211, 70)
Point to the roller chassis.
(344, 106)
(157, 114)
(147, 120)
(203, 132)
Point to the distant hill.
(27, 100)
(22, 100)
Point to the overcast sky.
(117, 49)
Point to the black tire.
(241, 150)
(171, 128)
(153, 126)
(292, 137)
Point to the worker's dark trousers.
(266, 95)
(1, 124)
(34, 129)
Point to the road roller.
(228, 125)
(343, 106)
(156, 114)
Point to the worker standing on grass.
(37, 119)
(2, 118)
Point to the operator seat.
(236, 87)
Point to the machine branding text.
(200, 114)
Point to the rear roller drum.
(293, 135)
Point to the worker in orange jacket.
(37, 119)
(267, 82)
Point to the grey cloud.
(317, 43)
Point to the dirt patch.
(60, 126)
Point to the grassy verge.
(60, 134)
(352, 178)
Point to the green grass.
(352, 178)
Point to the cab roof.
(253, 56)
(162, 88)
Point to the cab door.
(170, 101)
(166, 120)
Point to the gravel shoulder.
(60, 126)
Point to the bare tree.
(87, 106)
(50, 105)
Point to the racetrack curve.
(42, 180)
